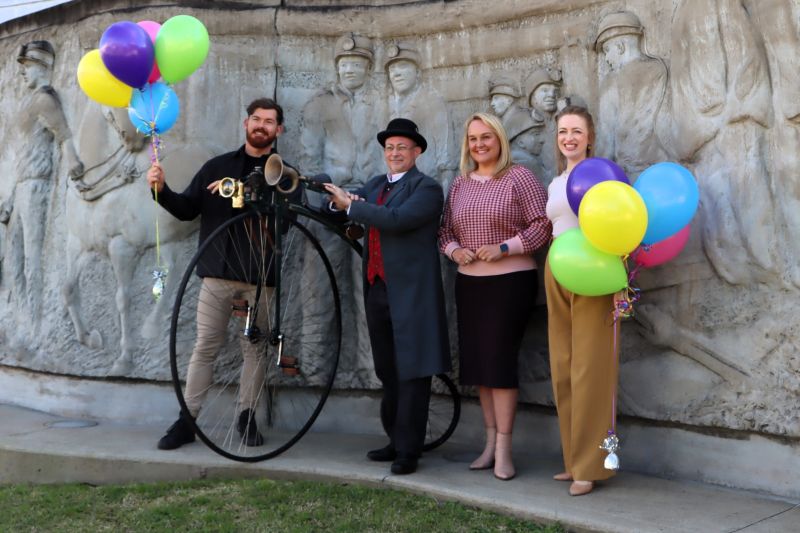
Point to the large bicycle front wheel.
(253, 389)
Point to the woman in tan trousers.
(581, 331)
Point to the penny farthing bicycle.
(291, 319)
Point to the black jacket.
(240, 260)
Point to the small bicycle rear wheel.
(444, 412)
(282, 376)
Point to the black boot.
(248, 429)
(178, 434)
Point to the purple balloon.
(128, 53)
(589, 173)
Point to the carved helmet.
(614, 24)
(540, 77)
(41, 52)
(351, 44)
(401, 51)
(503, 84)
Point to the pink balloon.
(152, 30)
(661, 251)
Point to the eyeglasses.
(398, 148)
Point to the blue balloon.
(154, 108)
(671, 195)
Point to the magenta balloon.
(589, 173)
(662, 251)
(152, 30)
(128, 53)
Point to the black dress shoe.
(178, 434)
(404, 465)
(387, 453)
(248, 429)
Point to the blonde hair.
(579, 111)
(493, 123)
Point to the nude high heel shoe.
(486, 459)
(503, 465)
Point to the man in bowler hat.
(403, 294)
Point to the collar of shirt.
(394, 178)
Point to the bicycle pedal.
(289, 366)
(240, 308)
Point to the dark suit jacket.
(408, 222)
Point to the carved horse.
(109, 211)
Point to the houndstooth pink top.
(483, 210)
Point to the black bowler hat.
(402, 127)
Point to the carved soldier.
(525, 146)
(633, 95)
(338, 122)
(422, 105)
(43, 127)
(544, 89)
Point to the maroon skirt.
(493, 312)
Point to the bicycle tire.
(285, 406)
(444, 412)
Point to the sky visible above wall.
(11, 9)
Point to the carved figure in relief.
(107, 215)
(633, 95)
(412, 99)
(544, 89)
(338, 122)
(526, 145)
(43, 128)
(722, 106)
(338, 139)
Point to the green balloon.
(583, 269)
(181, 47)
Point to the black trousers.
(404, 407)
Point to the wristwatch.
(504, 249)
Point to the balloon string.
(615, 359)
(155, 147)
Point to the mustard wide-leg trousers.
(583, 367)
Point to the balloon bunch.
(132, 57)
(648, 221)
(124, 72)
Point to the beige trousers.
(583, 367)
(214, 310)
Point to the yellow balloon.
(613, 217)
(99, 84)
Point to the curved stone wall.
(710, 84)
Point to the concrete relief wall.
(715, 339)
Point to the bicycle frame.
(279, 206)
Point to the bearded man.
(263, 125)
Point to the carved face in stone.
(618, 49)
(545, 98)
(262, 128)
(352, 71)
(500, 103)
(484, 145)
(572, 137)
(403, 75)
(400, 153)
(35, 74)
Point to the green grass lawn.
(241, 505)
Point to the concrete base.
(735, 459)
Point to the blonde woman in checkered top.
(494, 219)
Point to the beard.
(260, 142)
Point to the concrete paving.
(33, 451)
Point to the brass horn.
(275, 172)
